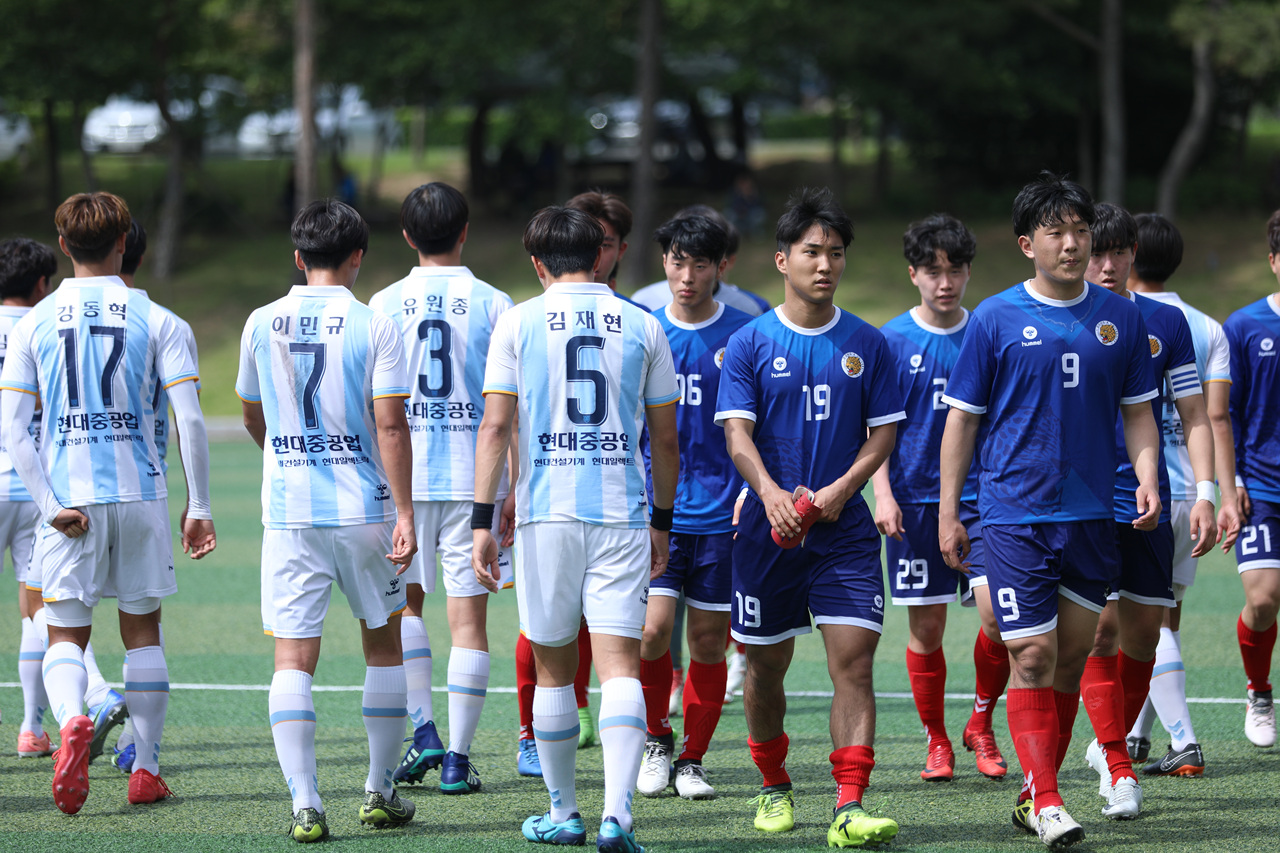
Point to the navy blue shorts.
(1146, 565)
(835, 575)
(1030, 565)
(917, 572)
(699, 566)
(1259, 544)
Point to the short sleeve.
(390, 369)
(884, 399)
(247, 387)
(660, 387)
(174, 363)
(20, 370)
(501, 372)
(737, 396)
(1184, 380)
(1139, 376)
(969, 386)
(1217, 367)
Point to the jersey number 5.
(575, 372)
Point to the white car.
(274, 134)
(122, 126)
(15, 135)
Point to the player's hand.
(507, 520)
(659, 552)
(1148, 501)
(198, 537)
(1228, 526)
(953, 541)
(1204, 530)
(831, 500)
(484, 559)
(404, 543)
(780, 509)
(1246, 505)
(889, 517)
(71, 523)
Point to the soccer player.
(698, 329)
(1158, 256)
(1255, 408)
(323, 382)
(1118, 672)
(585, 371)
(809, 402)
(89, 353)
(1044, 369)
(446, 317)
(925, 342)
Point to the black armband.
(481, 516)
(660, 519)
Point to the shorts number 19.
(748, 610)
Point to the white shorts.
(126, 553)
(18, 523)
(299, 568)
(445, 527)
(566, 570)
(1184, 565)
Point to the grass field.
(219, 760)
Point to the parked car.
(15, 135)
(122, 126)
(342, 117)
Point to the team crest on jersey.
(720, 358)
(852, 364)
(1156, 346)
(1107, 332)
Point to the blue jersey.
(811, 393)
(584, 365)
(709, 483)
(316, 360)
(924, 357)
(1173, 364)
(1252, 333)
(1049, 377)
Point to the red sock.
(583, 677)
(1103, 695)
(851, 767)
(991, 662)
(655, 681)
(1033, 725)
(771, 758)
(1066, 706)
(1135, 680)
(703, 702)
(526, 681)
(1255, 649)
(928, 676)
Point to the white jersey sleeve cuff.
(963, 406)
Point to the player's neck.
(450, 259)
(939, 319)
(1062, 291)
(109, 266)
(340, 277)
(1141, 285)
(693, 314)
(583, 277)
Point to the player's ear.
(780, 261)
(405, 234)
(297, 260)
(720, 270)
(62, 244)
(1024, 243)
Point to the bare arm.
(396, 449)
(778, 504)
(1142, 441)
(888, 514)
(871, 456)
(664, 454)
(956, 455)
(255, 422)
(491, 448)
(1199, 437)
(1217, 399)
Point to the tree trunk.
(304, 101)
(376, 158)
(839, 127)
(165, 253)
(1086, 166)
(1193, 132)
(1111, 100)
(477, 141)
(740, 130)
(643, 202)
(418, 136)
(86, 159)
(53, 185)
(884, 162)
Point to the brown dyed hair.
(91, 223)
(605, 206)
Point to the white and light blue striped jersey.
(92, 352)
(11, 487)
(446, 317)
(159, 400)
(1213, 364)
(584, 364)
(316, 360)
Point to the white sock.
(31, 676)
(1169, 690)
(65, 680)
(126, 731)
(468, 682)
(147, 693)
(622, 734)
(417, 669)
(1146, 719)
(555, 731)
(383, 708)
(293, 728)
(96, 692)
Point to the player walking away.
(925, 342)
(810, 404)
(1252, 333)
(323, 381)
(89, 353)
(1118, 672)
(446, 317)
(1157, 258)
(585, 371)
(1044, 370)
(697, 328)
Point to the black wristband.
(481, 516)
(660, 519)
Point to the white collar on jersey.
(93, 281)
(938, 330)
(1273, 303)
(588, 287)
(438, 270)
(693, 327)
(321, 290)
(801, 330)
(1056, 303)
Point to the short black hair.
(693, 236)
(1273, 233)
(735, 236)
(23, 263)
(565, 240)
(1113, 227)
(1050, 198)
(811, 206)
(941, 231)
(1159, 248)
(135, 246)
(433, 216)
(327, 232)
